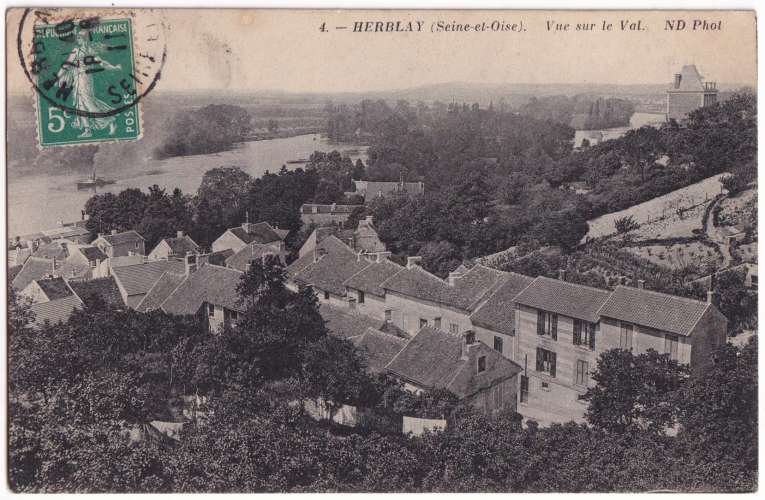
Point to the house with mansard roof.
(457, 362)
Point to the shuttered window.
(584, 333)
(582, 373)
(670, 346)
(547, 324)
(546, 361)
(524, 389)
(625, 338)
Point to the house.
(46, 289)
(345, 324)
(415, 298)
(236, 238)
(160, 291)
(494, 321)
(326, 270)
(371, 189)
(121, 244)
(210, 293)
(379, 348)
(18, 254)
(324, 215)
(362, 239)
(135, 281)
(83, 262)
(74, 232)
(363, 288)
(556, 327)
(105, 289)
(562, 328)
(34, 268)
(51, 299)
(58, 250)
(474, 372)
(242, 259)
(176, 247)
(689, 92)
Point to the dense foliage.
(580, 112)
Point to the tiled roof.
(92, 253)
(13, 271)
(139, 278)
(379, 348)
(370, 278)
(165, 285)
(690, 79)
(54, 288)
(120, 238)
(466, 294)
(344, 324)
(126, 260)
(262, 232)
(34, 268)
(308, 208)
(433, 359)
(105, 288)
(55, 310)
(51, 250)
(660, 311)
(212, 284)
(498, 312)
(334, 267)
(179, 246)
(562, 297)
(253, 251)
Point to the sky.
(251, 50)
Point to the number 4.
(53, 115)
(323, 27)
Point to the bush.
(626, 224)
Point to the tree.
(273, 126)
(219, 202)
(634, 392)
(735, 300)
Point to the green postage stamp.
(90, 70)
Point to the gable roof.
(157, 294)
(139, 278)
(562, 297)
(54, 288)
(433, 359)
(210, 283)
(179, 246)
(55, 311)
(369, 279)
(253, 251)
(498, 312)
(53, 249)
(331, 270)
(13, 271)
(92, 253)
(346, 325)
(105, 288)
(379, 348)
(656, 310)
(261, 232)
(121, 238)
(34, 268)
(468, 290)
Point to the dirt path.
(714, 235)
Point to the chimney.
(413, 262)
(190, 263)
(453, 276)
(82, 214)
(382, 256)
(318, 253)
(711, 297)
(468, 339)
(562, 274)
(114, 231)
(54, 263)
(179, 234)
(641, 284)
(678, 78)
(334, 207)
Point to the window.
(670, 346)
(423, 322)
(352, 303)
(388, 314)
(546, 361)
(753, 277)
(584, 333)
(498, 343)
(524, 389)
(454, 328)
(547, 324)
(498, 396)
(211, 310)
(481, 364)
(625, 339)
(582, 373)
(326, 295)
(361, 297)
(136, 244)
(437, 323)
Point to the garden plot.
(739, 209)
(675, 225)
(678, 256)
(659, 208)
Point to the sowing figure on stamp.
(75, 73)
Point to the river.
(40, 202)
